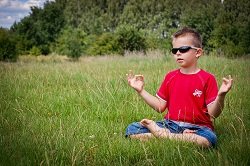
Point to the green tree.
(8, 46)
(71, 42)
(231, 32)
(42, 26)
(221, 29)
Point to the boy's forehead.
(184, 39)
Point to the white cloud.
(4, 3)
(15, 10)
(9, 18)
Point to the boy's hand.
(225, 86)
(135, 81)
(145, 122)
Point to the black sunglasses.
(182, 49)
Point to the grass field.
(58, 112)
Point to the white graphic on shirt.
(197, 93)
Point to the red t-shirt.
(187, 96)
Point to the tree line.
(101, 27)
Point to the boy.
(189, 93)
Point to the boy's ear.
(199, 52)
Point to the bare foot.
(188, 131)
(155, 129)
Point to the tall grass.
(57, 112)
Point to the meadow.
(54, 111)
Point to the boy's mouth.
(180, 59)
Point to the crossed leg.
(158, 132)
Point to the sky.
(15, 10)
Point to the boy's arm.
(137, 82)
(153, 101)
(215, 108)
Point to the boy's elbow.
(215, 113)
(160, 109)
(160, 106)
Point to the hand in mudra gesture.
(135, 81)
(226, 85)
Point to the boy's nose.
(178, 53)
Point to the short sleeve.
(162, 92)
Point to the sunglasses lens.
(182, 49)
(174, 50)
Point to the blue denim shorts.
(174, 127)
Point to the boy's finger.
(230, 79)
(139, 77)
(225, 79)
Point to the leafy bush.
(130, 38)
(44, 49)
(8, 46)
(71, 43)
(35, 51)
(23, 45)
(231, 50)
(104, 45)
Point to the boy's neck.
(190, 70)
